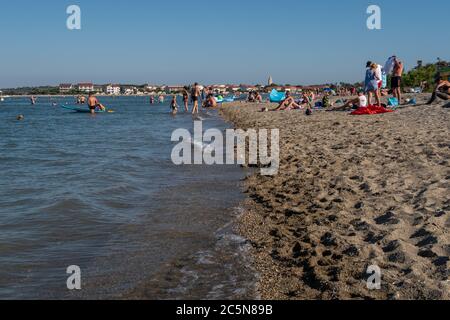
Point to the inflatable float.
(276, 96)
(81, 110)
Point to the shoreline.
(352, 191)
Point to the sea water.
(101, 192)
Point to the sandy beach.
(352, 191)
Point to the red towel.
(370, 110)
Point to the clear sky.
(211, 41)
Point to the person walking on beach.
(195, 95)
(396, 80)
(186, 99)
(372, 83)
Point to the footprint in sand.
(387, 218)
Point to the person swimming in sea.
(33, 100)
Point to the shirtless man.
(195, 95)
(396, 81)
(442, 90)
(93, 103)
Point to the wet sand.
(352, 191)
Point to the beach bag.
(393, 102)
(318, 104)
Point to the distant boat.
(1, 97)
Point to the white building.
(65, 87)
(112, 89)
(86, 87)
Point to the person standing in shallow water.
(186, 99)
(195, 95)
(93, 103)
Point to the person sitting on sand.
(251, 97)
(258, 97)
(442, 90)
(174, 105)
(210, 102)
(288, 103)
(360, 101)
(371, 83)
(326, 101)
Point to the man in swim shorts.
(396, 81)
(92, 102)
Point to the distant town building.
(174, 89)
(150, 88)
(233, 88)
(112, 89)
(65, 88)
(98, 89)
(86, 87)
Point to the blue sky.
(178, 42)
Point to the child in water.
(174, 105)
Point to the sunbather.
(441, 91)
(288, 103)
(360, 101)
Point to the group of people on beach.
(375, 80)
(195, 94)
